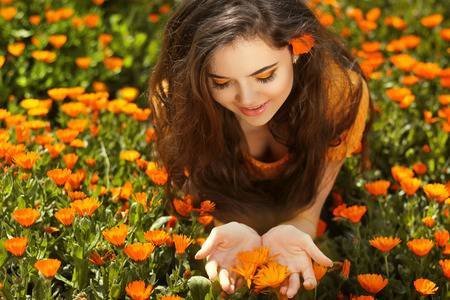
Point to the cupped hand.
(294, 248)
(221, 248)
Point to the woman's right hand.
(221, 248)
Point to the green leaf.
(199, 287)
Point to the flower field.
(84, 212)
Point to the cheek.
(281, 88)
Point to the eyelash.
(262, 80)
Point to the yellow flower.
(129, 155)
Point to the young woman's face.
(248, 74)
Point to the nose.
(247, 96)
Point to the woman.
(259, 105)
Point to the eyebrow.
(254, 73)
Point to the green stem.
(386, 264)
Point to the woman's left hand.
(294, 249)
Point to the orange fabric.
(350, 144)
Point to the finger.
(317, 255)
(233, 277)
(309, 278)
(211, 269)
(240, 283)
(224, 280)
(207, 246)
(283, 290)
(294, 285)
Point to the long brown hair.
(197, 134)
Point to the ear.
(295, 58)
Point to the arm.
(307, 220)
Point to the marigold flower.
(442, 237)
(445, 265)
(420, 168)
(428, 221)
(372, 283)
(436, 191)
(26, 216)
(410, 185)
(171, 298)
(363, 297)
(158, 176)
(137, 290)
(113, 63)
(59, 176)
(302, 44)
(426, 70)
(57, 40)
(8, 12)
(85, 207)
(158, 237)
(319, 271)
(425, 287)
(26, 160)
(16, 246)
(116, 235)
(139, 251)
(54, 150)
(181, 243)
(445, 34)
(377, 188)
(246, 270)
(384, 244)
(66, 135)
(345, 271)
(420, 247)
(70, 160)
(48, 267)
(399, 172)
(65, 216)
(432, 20)
(354, 213)
(270, 275)
(183, 207)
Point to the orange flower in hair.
(302, 44)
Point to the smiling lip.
(255, 111)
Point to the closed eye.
(263, 78)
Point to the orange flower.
(65, 216)
(16, 246)
(137, 290)
(364, 297)
(372, 283)
(384, 244)
(445, 34)
(59, 176)
(271, 275)
(171, 298)
(66, 135)
(16, 49)
(246, 270)
(54, 150)
(57, 40)
(48, 267)
(139, 251)
(420, 168)
(26, 160)
(158, 176)
(70, 160)
(154, 18)
(404, 62)
(116, 235)
(441, 236)
(113, 63)
(410, 80)
(345, 271)
(428, 221)
(426, 70)
(399, 172)
(436, 191)
(26, 216)
(183, 207)
(432, 20)
(420, 247)
(425, 287)
(319, 271)
(302, 44)
(410, 185)
(44, 56)
(85, 207)
(105, 39)
(445, 265)
(396, 22)
(8, 12)
(258, 256)
(354, 213)
(158, 237)
(181, 243)
(377, 188)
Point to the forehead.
(244, 56)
